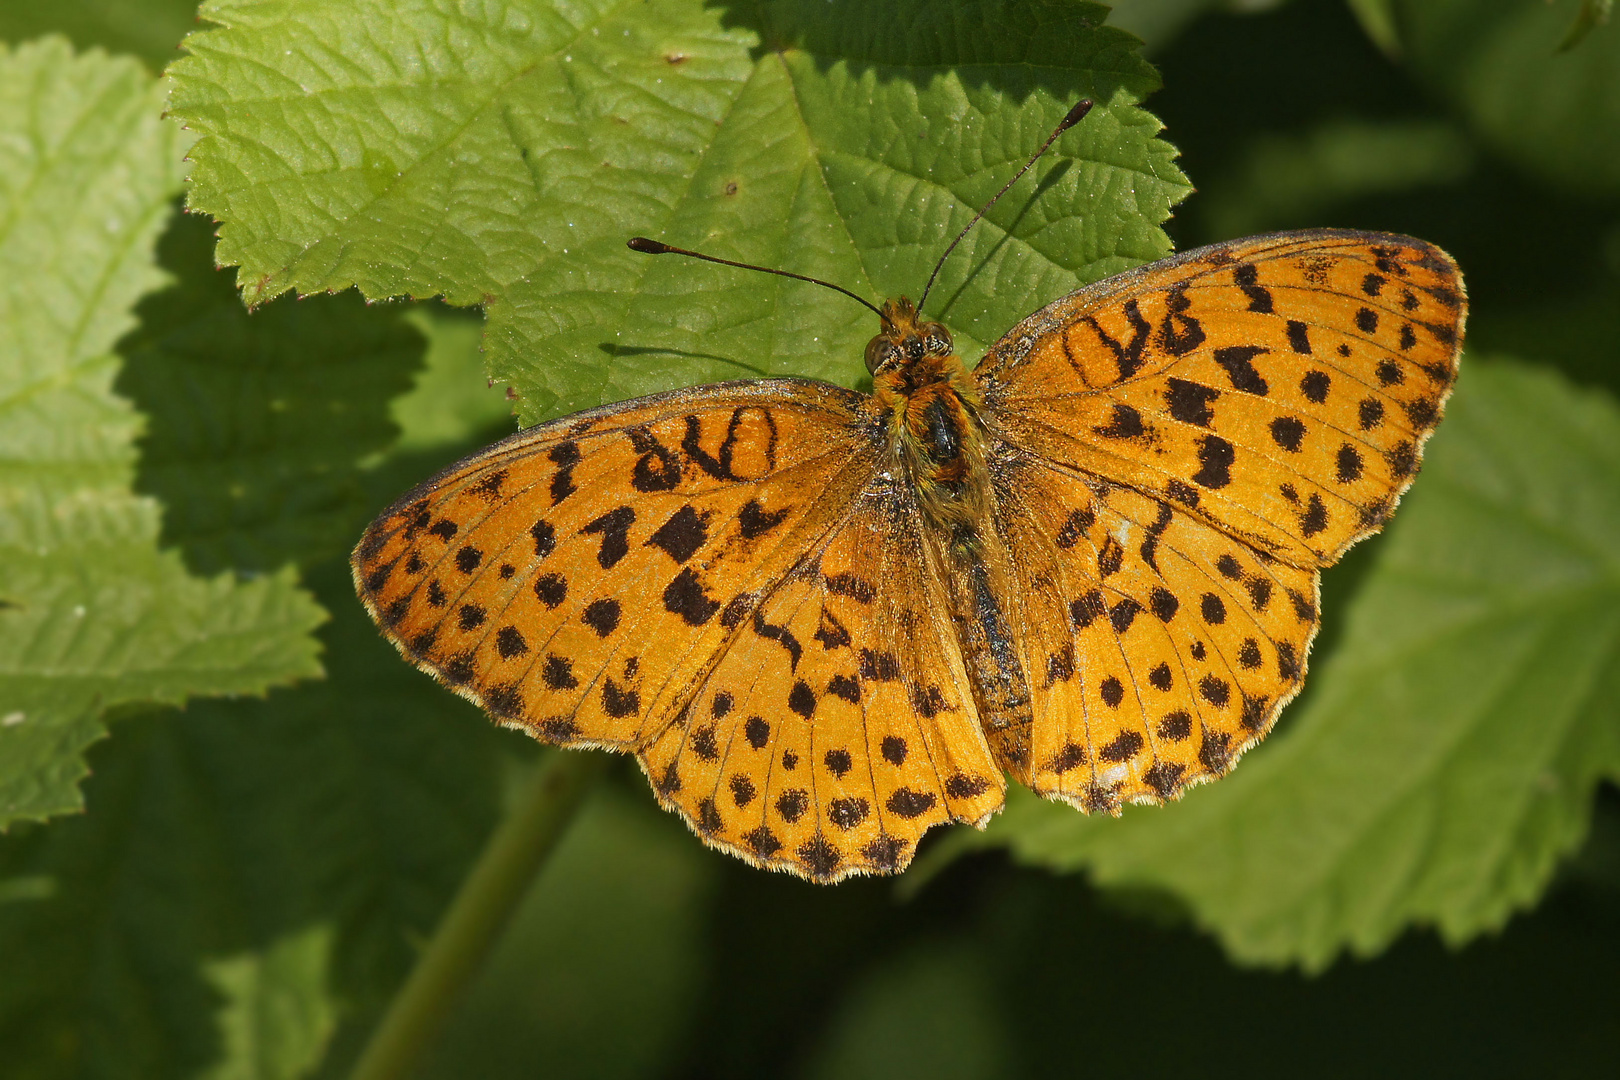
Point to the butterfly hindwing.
(1160, 649)
(838, 726)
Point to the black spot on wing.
(846, 584)
(1163, 603)
(1075, 527)
(802, 699)
(545, 538)
(551, 589)
(683, 534)
(565, 456)
(602, 616)
(1370, 413)
(1238, 362)
(1348, 463)
(753, 520)
(1247, 277)
(1189, 401)
(509, 642)
(908, 803)
(1128, 355)
(1298, 337)
(1288, 432)
(1126, 746)
(1126, 423)
(1179, 332)
(1215, 457)
(658, 468)
(782, 636)
(614, 529)
(684, 596)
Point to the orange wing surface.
(1177, 451)
(720, 580)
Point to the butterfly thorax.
(933, 407)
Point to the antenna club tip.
(1076, 114)
(646, 246)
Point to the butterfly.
(825, 621)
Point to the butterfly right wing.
(1159, 648)
(1280, 387)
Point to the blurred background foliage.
(252, 877)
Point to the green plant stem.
(478, 915)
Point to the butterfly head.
(905, 341)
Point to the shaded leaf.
(249, 874)
(613, 929)
(931, 1013)
(1446, 756)
(1555, 114)
(151, 29)
(258, 422)
(92, 614)
(1297, 181)
(1592, 14)
(504, 155)
(451, 401)
(276, 1019)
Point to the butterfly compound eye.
(937, 339)
(881, 352)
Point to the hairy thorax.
(931, 407)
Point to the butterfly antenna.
(654, 247)
(1076, 114)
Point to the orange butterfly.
(826, 621)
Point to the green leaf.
(1554, 114)
(275, 1021)
(1446, 755)
(259, 422)
(250, 877)
(92, 614)
(504, 154)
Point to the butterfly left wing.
(576, 579)
(839, 726)
(721, 580)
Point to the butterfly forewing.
(575, 579)
(1279, 387)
